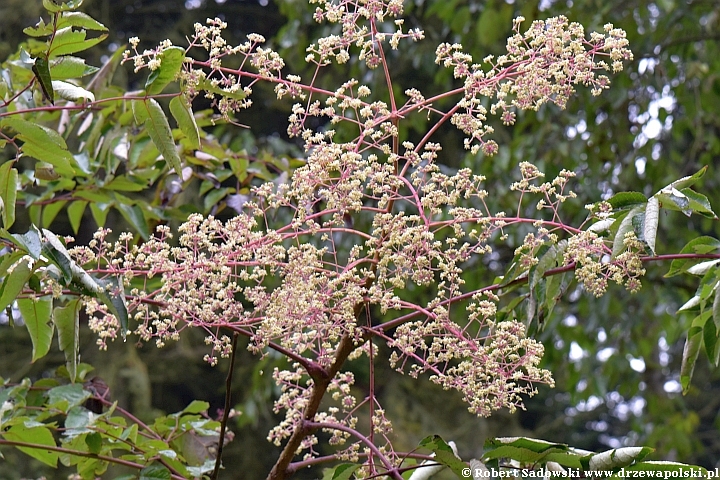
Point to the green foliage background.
(657, 123)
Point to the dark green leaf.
(443, 453)
(626, 200)
(41, 70)
(94, 442)
(692, 349)
(8, 192)
(344, 471)
(67, 322)
(149, 113)
(36, 315)
(155, 472)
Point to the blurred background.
(615, 359)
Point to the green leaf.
(67, 322)
(113, 296)
(126, 184)
(155, 472)
(36, 315)
(134, 215)
(171, 60)
(94, 442)
(41, 70)
(149, 113)
(617, 458)
(66, 67)
(41, 29)
(522, 449)
(700, 245)
(673, 199)
(626, 225)
(8, 192)
(50, 211)
(692, 349)
(15, 281)
(443, 453)
(99, 213)
(71, 92)
(42, 143)
(626, 200)
(75, 214)
(699, 203)
(81, 20)
(29, 241)
(54, 6)
(710, 338)
(686, 182)
(652, 211)
(40, 436)
(58, 255)
(197, 406)
(182, 112)
(68, 41)
(77, 420)
(66, 397)
(344, 471)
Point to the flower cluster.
(542, 65)
(294, 272)
(594, 267)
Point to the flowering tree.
(323, 265)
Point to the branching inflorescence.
(320, 290)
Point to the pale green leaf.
(71, 92)
(702, 267)
(652, 211)
(619, 457)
